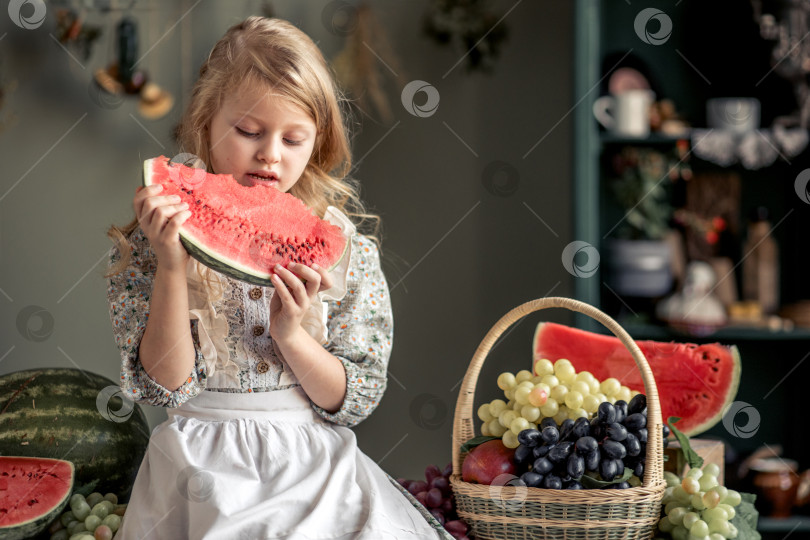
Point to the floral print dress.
(234, 351)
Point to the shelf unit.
(774, 362)
(607, 27)
(586, 143)
(728, 334)
(653, 139)
(792, 524)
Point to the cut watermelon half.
(695, 382)
(33, 492)
(241, 231)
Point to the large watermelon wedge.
(695, 382)
(33, 492)
(75, 415)
(241, 231)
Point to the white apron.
(262, 465)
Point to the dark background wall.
(475, 199)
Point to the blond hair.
(274, 53)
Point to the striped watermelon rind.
(53, 413)
(36, 524)
(696, 383)
(301, 222)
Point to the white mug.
(626, 114)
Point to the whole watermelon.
(78, 416)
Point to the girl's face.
(261, 139)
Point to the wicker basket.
(515, 512)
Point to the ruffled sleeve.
(360, 326)
(128, 293)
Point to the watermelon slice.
(243, 232)
(695, 382)
(33, 492)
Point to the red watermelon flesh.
(245, 231)
(33, 492)
(695, 382)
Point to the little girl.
(261, 383)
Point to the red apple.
(487, 461)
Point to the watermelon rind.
(217, 261)
(35, 525)
(732, 393)
(54, 413)
(660, 356)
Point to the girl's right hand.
(160, 217)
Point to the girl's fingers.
(313, 274)
(157, 204)
(294, 283)
(312, 277)
(159, 218)
(158, 223)
(142, 194)
(281, 289)
(176, 221)
(169, 213)
(326, 280)
(153, 203)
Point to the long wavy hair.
(275, 54)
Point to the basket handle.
(463, 428)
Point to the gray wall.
(457, 254)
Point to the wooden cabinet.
(711, 52)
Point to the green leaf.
(691, 457)
(746, 518)
(86, 489)
(475, 441)
(589, 482)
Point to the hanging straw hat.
(155, 102)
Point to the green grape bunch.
(95, 517)
(697, 507)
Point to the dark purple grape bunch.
(557, 457)
(435, 494)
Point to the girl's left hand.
(293, 297)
